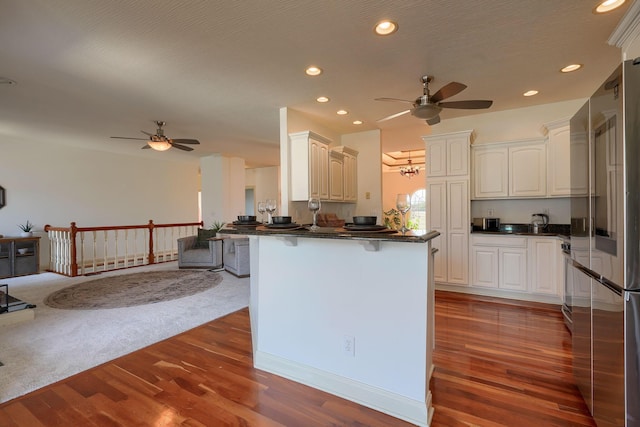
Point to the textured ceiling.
(219, 71)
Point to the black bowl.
(281, 219)
(246, 218)
(365, 220)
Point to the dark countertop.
(559, 230)
(331, 233)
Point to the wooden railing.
(77, 251)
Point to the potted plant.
(26, 229)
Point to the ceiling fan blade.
(181, 147)
(146, 133)
(126, 137)
(186, 141)
(433, 121)
(393, 116)
(448, 91)
(146, 147)
(393, 100)
(476, 104)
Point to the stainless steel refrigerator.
(605, 248)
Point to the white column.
(222, 187)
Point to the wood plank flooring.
(497, 364)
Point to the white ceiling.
(219, 71)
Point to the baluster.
(116, 261)
(126, 249)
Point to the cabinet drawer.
(511, 241)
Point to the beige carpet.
(128, 290)
(59, 343)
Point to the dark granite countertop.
(332, 233)
(559, 230)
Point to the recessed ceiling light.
(386, 27)
(322, 99)
(570, 68)
(342, 112)
(313, 71)
(357, 122)
(607, 6)
(530, 93)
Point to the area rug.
(60, 343)
(133, 289)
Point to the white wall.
(57, 185)
(265, 182)
(223, 185)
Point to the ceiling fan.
(428, 106)
(160, 142)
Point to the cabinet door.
(323, 171)
(490, 172)
(437, 157)
(315, 167)
(558, 162)
(484, 260)
(527, 171)
(350, 178)
(458, 231)
(437, 221)
(457, 160)
(546, 258)
(513, 269)
(336, 177)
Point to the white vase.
(26, 234)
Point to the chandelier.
(409, 170)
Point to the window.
(418, 212)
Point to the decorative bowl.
(23, 251)
(246, 218)
(281, 219)
(365, 220)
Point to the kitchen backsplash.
(520, 210)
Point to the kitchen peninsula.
(349, 313)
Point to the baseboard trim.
(402, 407)
(498, 293)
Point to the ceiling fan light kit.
(160, 142)
(428, 107)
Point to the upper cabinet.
(336, 176)
(448, 155)
(318, 171)
(350, 172)
(514, 169)
(309, 166)
(558, 158)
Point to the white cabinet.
(522, 267)
(490, 172)
(448, 154)
(546, 266)
(336, 176)
(350, 172)
(448, 205)
(527, 170)
(448, 213)
(309, 166)
(558, 159)
(515, 169)
(499, 262)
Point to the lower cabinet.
(499, 262)
(519, 267)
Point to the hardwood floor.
(497, 364)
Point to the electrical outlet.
(349, 345)
(490, 212)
